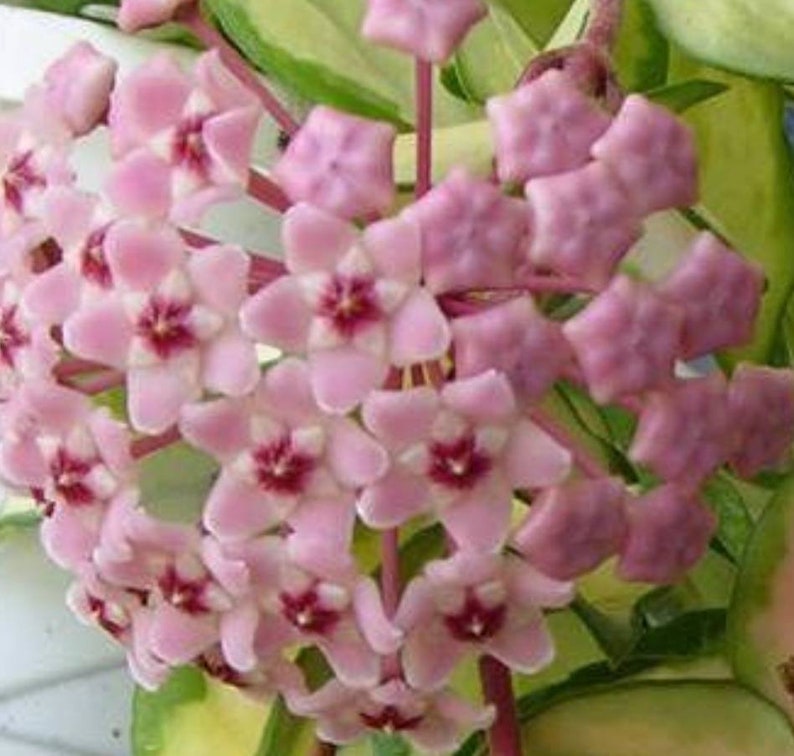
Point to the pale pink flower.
(180, 139)
(515, 339)
(288, 594)
(278, 451)
(339, 162)
(669, 531)
(685, 433)
(138, 14)
(571, 529)
(761, 401)
(476, 603)
(353, 304)
(626, 340)
(434, 722)
(652, 153)
(429, 29)
(170, 323)
(473, 237)
(460, 453)
(583, 223)
(719, 294)
(76, 89)
(544, 127)
(79, 224)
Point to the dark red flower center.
(281, 469)
(189, 150)
(106, 618)
(458, 464)
(187, 595)
(390, 719)
(306, 613)
(19, 178)
(350, 304)
(474, 622)
(13, 336)
(165, 327)
(93, 264)
(69, 475)
(213, 663)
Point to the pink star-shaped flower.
(571, 529)
(278, 451)
(669, 530)
(685, 433)
(472, 234)
(460, 453)
(762, 407)
(429, 29)
(515, 339)
(473, 602)
(182, 144)
(170, 323)
(341, 163)
(544, 127)
(626, 340)
(433, 722)
(652, 153)
(583, 223)
(719, 293)
(354, 305)
(289, 594)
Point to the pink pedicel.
(434, 358)
(340, 163)
(653, 155)
(428, 29)
(719, 293)
(544, 127)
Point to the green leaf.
(641, 52)
(691, 635)
(686, 94)
(493, 56)
(314, 48)
(538, 18)
(175, 482)
(191, 715)
(750, 36)
(735, 523)
(64, 7)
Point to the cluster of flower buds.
(419, 349)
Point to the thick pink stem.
(604, 23)
(504, 737)
(424, 126)
(390, 569)
(263, 190)
(143, 447)
(211, 37)
(585, 461)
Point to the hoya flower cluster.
(419, 349)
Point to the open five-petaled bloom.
(353, 304)
(460, 452)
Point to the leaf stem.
(424, 126)
(504, 737)
(239, 66)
